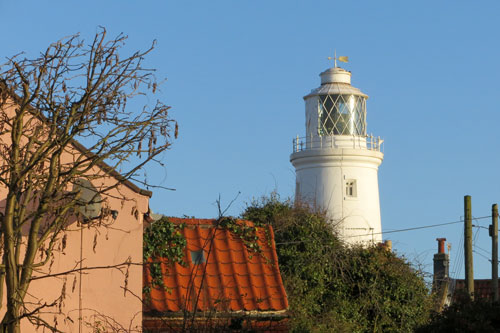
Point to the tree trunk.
(10, 322)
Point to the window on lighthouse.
(342, 115)
(350, 188)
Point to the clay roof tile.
(221, 274)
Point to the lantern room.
(336, 107)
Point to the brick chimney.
(441, 272)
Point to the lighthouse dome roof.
(336, 81)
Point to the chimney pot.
(441, 244)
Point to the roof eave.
(276, 314)
(104, 166)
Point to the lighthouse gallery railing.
(369, 142)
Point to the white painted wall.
(321, 176)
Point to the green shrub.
(465, 315)
(335, 287)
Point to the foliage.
(387, 293)
(246, 233)
(334, 287)
(71, 91)
(465, 315)
(163, 242)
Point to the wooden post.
(494, 251)
(469, 272)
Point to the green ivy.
(163, 242)
(247, 233)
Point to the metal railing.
(368, 142)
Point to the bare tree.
(73, 91)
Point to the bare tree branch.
(72, 92)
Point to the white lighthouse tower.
(336, 163)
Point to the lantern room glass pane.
(342, 115)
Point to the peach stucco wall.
(103, 300)
(98, 295)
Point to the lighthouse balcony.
(368, 142)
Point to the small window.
(350, 188)
(198, 257)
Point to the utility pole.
(469, 272)
(494, 251)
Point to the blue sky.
(237, 72)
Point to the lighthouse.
(336, 162)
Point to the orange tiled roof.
(226, 277)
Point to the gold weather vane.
(340, 58)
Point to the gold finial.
(340, 58)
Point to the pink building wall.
(96, 294)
